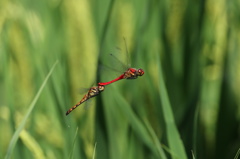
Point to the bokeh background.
(185, 106)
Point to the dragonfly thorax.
(101, 88)
(133, 73)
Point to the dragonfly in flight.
(130, 73)
(92, 92)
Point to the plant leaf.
(173, 137)
(23, 122)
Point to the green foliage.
(237, 154)
(186, 105)
(23, 122)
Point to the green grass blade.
(173, 137)
(22, 124)
(193, 155)
(195, 131)
(137, 125)
(74, 142)
(94, 152)
(237, 154)
(169, 151)
(155, 140)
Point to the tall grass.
(185, 106)
(23, 122)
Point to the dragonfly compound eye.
(140, 72)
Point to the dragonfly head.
(140, 72)
(101, 88)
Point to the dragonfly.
(130, 73)
(92, 92)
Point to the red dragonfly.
(92, 92)
(130, 73)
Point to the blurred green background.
(185, 106)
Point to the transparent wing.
(116, 59)
(127, 53)
(105, 68)
(88, 104)
(120, 58)
(84, 90)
